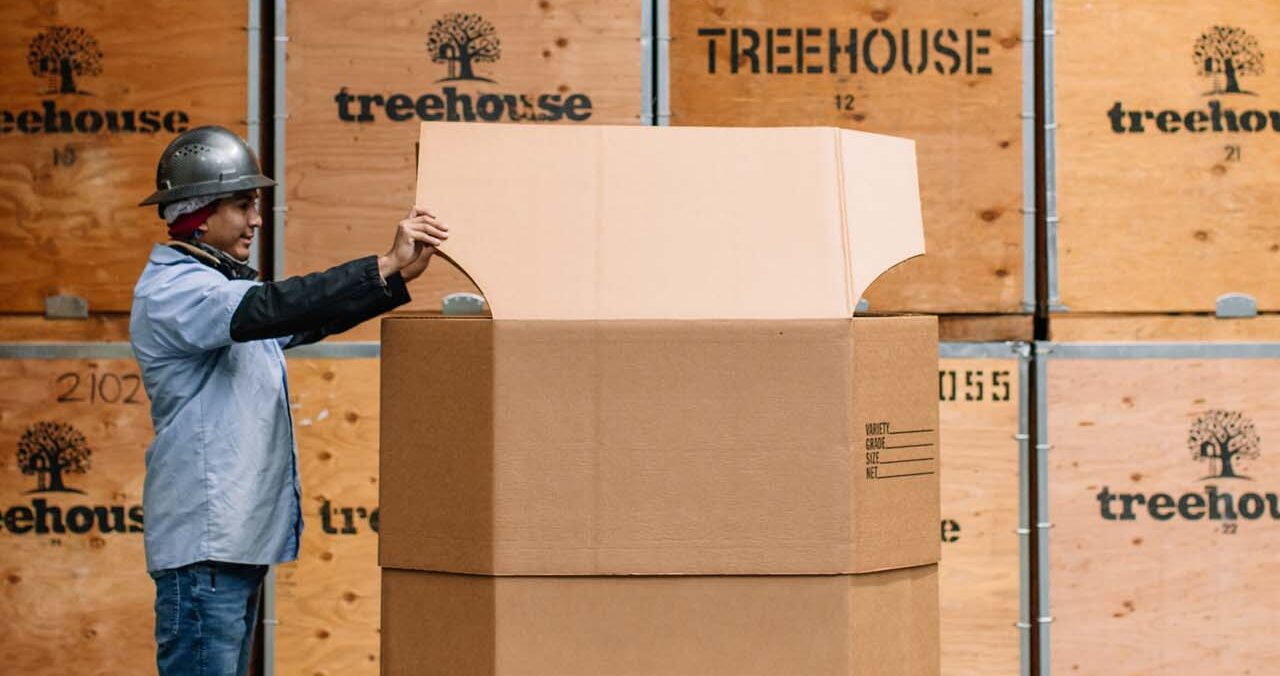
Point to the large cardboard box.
(672, 380)
(671, 384)
(533, 447)
(803, 625)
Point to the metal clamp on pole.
(66, 306)
(1236, 306)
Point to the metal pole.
(1050, 161)
(1043, 524)
(647, 58)
(253, 115)
(1028, 156)
(663, 66)
(279, 208)
(279, 213)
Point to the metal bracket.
(66, 306)
(1236, 305)
(463, 304)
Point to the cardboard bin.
(672, 383)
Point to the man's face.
(231, 228)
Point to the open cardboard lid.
(629, 222)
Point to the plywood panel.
(1164, 172)
(74, 583)
(979, 573)
(985, 328)
(93, 93)
(1149, 572)
(351, 159)
(328, 602)
(863, 65)
(1179, 328)
(37, 329)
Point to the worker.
(221, 498)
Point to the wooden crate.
(985, 328)
(37, 329)
(980, 574)
(1156, 218)
(77, 601)
(961, 105)
(1072, 327)
(121, 79)
(351, 167)
(1161, 586)
(328, 601)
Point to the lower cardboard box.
(873, 624)
(659, 447)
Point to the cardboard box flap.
(881, 204)
(604, 222)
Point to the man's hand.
(416, 238)
(413, 270)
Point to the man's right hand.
(420, 231)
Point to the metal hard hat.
(206, 161)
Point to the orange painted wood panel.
(73, 575)
(1168, 135)
(1162, 494)
(980, 570)
(946, 74)
(361, 78)
(93, 92)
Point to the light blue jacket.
(222, 474)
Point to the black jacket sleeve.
(317, 305)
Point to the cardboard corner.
(623, 222)
(881, 204)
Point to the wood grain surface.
(351, 181)
(78, 601)
(979, 573)
(1165, 220)
(1071, 327)
(36, 329)
(1170, 590)
(327, 602)
(962, 109)
(69, 184)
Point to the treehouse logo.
(1223, 441)
(52, 452)
(60, 58)
(461, 41)
(1225, 56)
(62, 53)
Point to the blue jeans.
(205, 618)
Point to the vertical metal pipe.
(1028, 115)
(1023, 352)
(253, 115)
(270, 621)
(663, 67)
(279, 208)
(1051, 159)
(647, 67)
(1043, 352)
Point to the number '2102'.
(974, 385)
(95, 388)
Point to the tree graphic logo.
(1223, 439)
(60, 55)
(1225, 53)
(461, 40)
(49, 450)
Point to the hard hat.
(206, 161)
